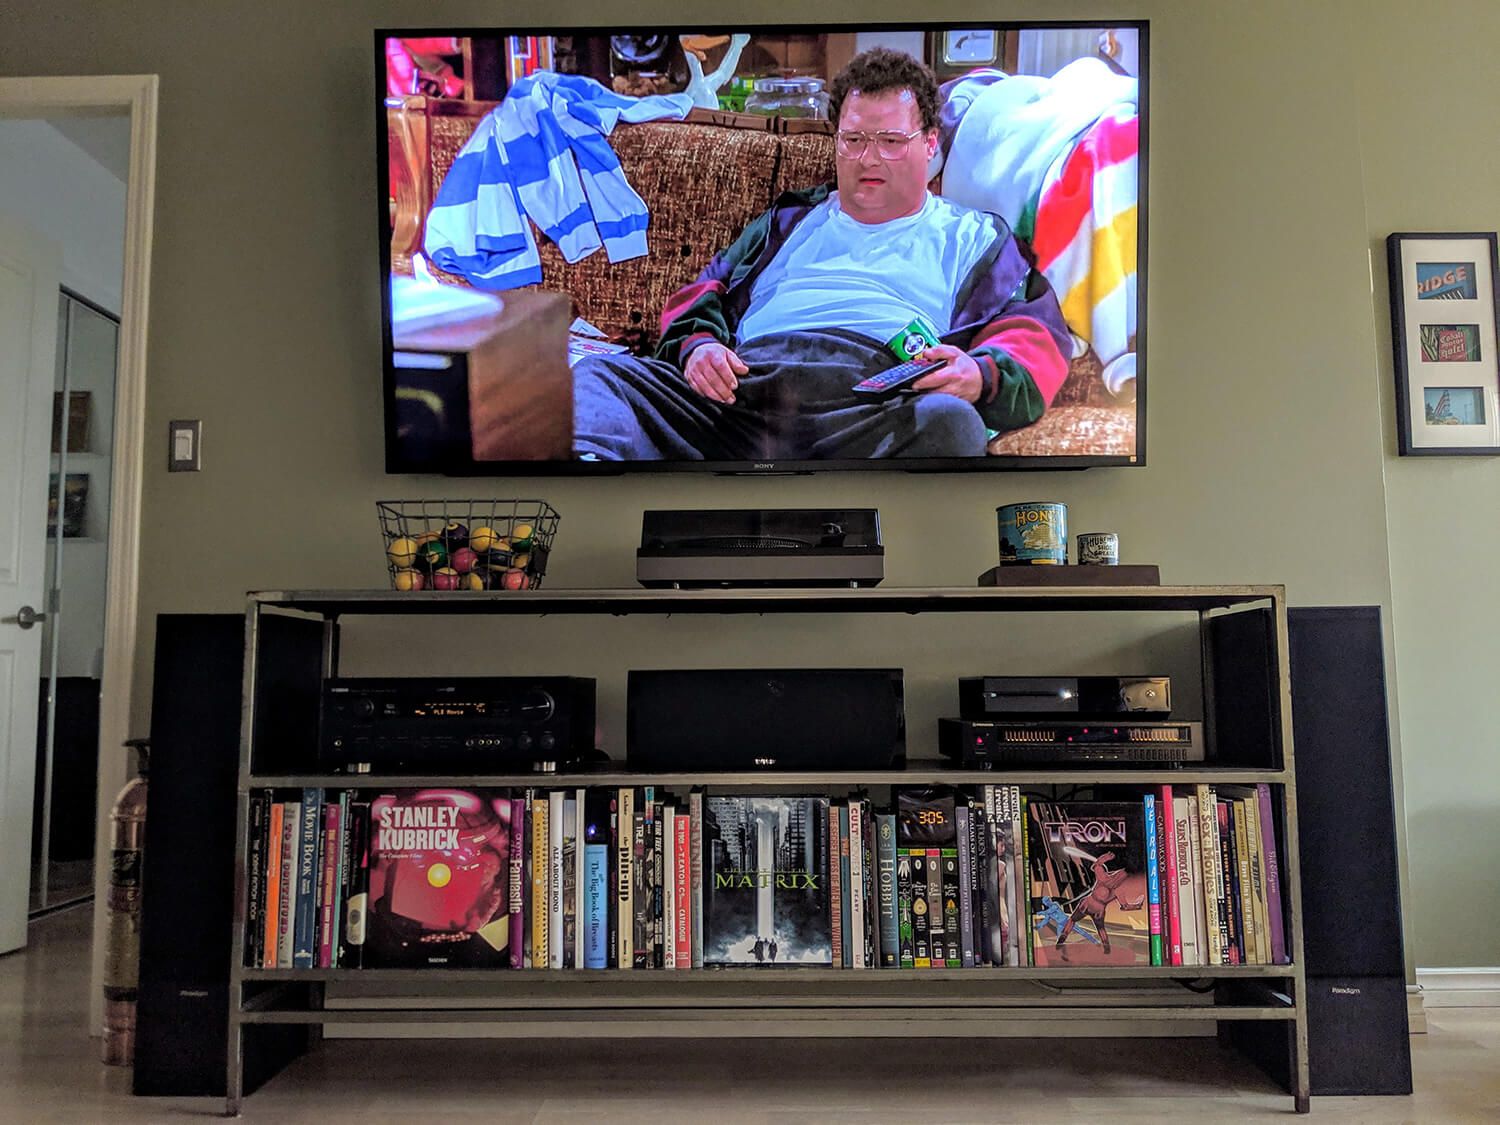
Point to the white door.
(29, 269)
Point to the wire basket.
(467, 544)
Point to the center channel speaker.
(765, 718)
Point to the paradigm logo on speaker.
(1340, 990)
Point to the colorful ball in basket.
(432, 555)
(463, 560)
(480, 579)
(426, 537)
(521, 561)
(408, 580)
(481, 539)
(520, 536)
(513, 579)
(455, 535)
(445, 578)
(402, 552)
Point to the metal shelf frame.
(797, 1002)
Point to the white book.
(669, 888)
(856, 919)
(1187, 917)
(578, 849)
(555, 879)
(1200, 915)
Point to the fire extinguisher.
(122, 926)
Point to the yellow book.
(541, 880)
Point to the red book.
(327, 890)
(1173, 903)
(683, 935)
(273, 882)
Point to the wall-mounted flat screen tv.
(763, 249)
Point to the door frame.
(135, 95)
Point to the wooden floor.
(48, 1073)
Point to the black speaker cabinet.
(188, 873)
(1346, 822)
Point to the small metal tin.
(1034, 533)
(1098, 548)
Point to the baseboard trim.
(1459, 988)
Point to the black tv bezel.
(987, 464)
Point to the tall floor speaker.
(1346, 822)
(188, 878)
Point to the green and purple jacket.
(1005, 316)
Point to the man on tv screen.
(759, 357)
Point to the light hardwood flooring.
(49, 1073)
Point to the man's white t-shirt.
(870, 278)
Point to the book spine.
(1274, 921)
(612, 906)
(835, 888)
(686, 906)
(580, 826)
(357, 895)
(275, 822)
(515, 889)
(846, 888)
(1229, 881)
(1215, 951)
(596, 905)
(962, 815)
(305, 919)
(255, 878)
(327, 884)
(570, 914)
(541, 884)
(872, 903)
(1182, 850)
(669, 890)
(1026, 932)
(890, 937)
(640, 884)
(1153, 881)
(658, 888)
(937, 939)
(952, 914)
(1167, 819)
(1257, 877)
(1195, 851)
(555, 879)
(857, 883)
(903, 908)
(290, 833)
(695, 874)
(624, 879)
(979, 853)
(921, 943)
(340, 874)
(1247, 888)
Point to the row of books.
(633, 878)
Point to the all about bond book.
(1088, 883)
(439, 879)
(766, 896)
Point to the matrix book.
(765, 882)
(439, 872)
(1088, 883)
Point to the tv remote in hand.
(893, 380)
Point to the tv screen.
(763, 249)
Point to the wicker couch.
(703, 180)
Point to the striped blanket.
(542, 155)
(1057, 158)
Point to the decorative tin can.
(1098, 548)
(1033, 534)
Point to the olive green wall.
(1266, 437)
(1431, 163)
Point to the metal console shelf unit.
(292, 644)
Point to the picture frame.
(79, 420)
(75, 503)
(1445, 312)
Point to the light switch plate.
(184, 446)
